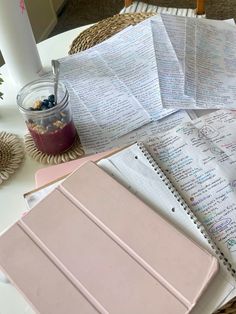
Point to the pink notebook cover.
(46, 175)
(91, 246)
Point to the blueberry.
(51, 98)
(45, 101)
(44, 105)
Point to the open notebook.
(94, 246)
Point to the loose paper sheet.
(152, 129)
(93, 138)
(205, 71)
(215, 64)
(190, 55)
(113, 107)
(131, 55)
(190, 59)
(200, 158)
(176, 30)
(170, 73)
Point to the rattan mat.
(105, 29)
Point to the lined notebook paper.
(93, 246)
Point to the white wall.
(42, 16)
(58, 4)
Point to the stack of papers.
(131, 86)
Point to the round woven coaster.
(105, 29)
(74, 152)
(11, 154)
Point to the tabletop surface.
(12, 204)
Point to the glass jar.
(50, 125)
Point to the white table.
(12, 204)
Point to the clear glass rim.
(60, 105)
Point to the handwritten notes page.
(209, 59)
(150, 130)
(215, 64)
(170, 72)
(131, 55)
(200, 158)
(93, 138)
(196, 62)
(176, 30)
(190, 59)
(109, 101)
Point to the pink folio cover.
(48, 174)
(91, 246)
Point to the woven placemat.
(74, 152)
(11, 155)
(105, 29)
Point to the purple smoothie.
(56, 141)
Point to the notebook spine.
(179, 198)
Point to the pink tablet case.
(91, 246)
